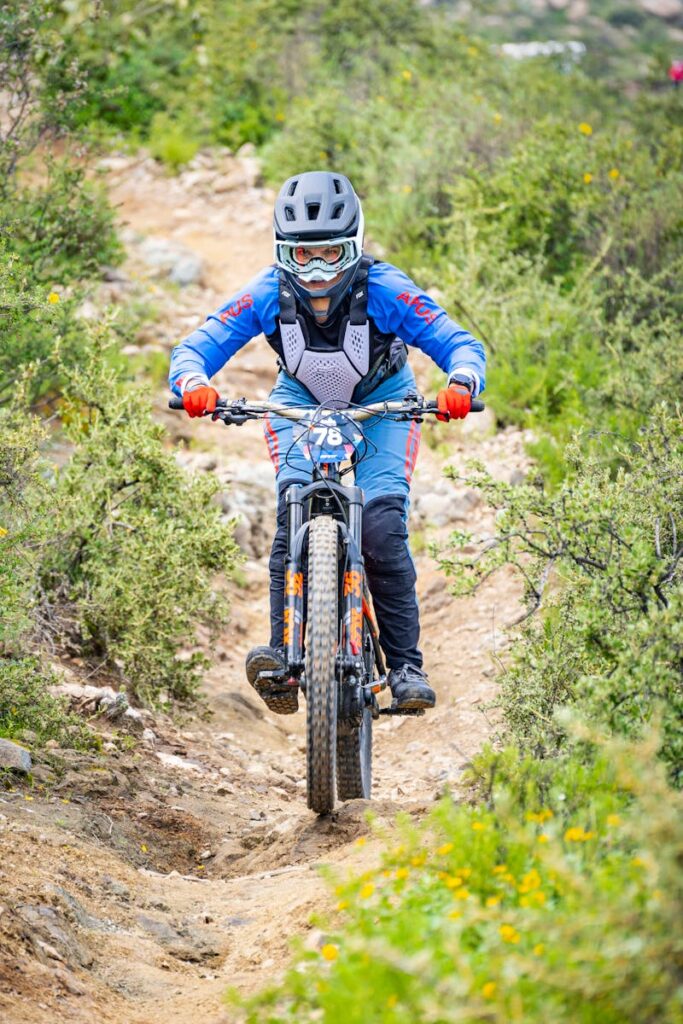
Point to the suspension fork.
(352, 584)
(294, 582)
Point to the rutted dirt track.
(137, 886)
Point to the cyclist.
(339, 322)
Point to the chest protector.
(330, 373)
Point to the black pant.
(390, 572)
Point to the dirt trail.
(137, 886)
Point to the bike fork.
(294, 583)
(352, 585)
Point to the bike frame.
(326, 496)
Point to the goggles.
(319, 261)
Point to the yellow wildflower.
(500, 869)
(453, 882)
(493, 901)
(200, 867)
(531, 880)
(538, 898)
(392, 1001)
(455, 914)
(366, 891)
(578, 835)
(613, 820)
(3, 531)
(542, 838)
(143, 848)
(329, 952)
(614, 173)
(53, 298)
(585, 128)
(407, 74)
(638, 862)
(540, 816)
(443, 850)
(407, 189)
(418, 860)
(402, 873)
(342, 905)
(472, 51)
(461, 894)
(587, 178)
(539, 949)
(489, 990)
(509, 933)
(361, 841)
(497, 118)
(478, 826)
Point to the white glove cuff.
(192, 382)
(465, 371)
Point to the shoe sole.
(281, 701)
(414, 702)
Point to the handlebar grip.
(477, 405)
(175, 403)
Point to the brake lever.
(231, 418)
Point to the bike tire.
(322, 635)
(354, 761)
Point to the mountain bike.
(331, 639)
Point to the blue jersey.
(395, 304)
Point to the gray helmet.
(318, 209)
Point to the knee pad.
(385, 535)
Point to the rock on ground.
(14, 757)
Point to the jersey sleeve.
(245, 315)
(399, 306)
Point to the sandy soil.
(137, 886)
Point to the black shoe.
(266, 672)
(410, 689)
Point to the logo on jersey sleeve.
(237, 308)
(422, 310)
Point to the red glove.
(200, 400)
(454, 403)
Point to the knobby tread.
(321, 684)
(354, 761)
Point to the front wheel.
(322, 630)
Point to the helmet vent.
(292, 188)
(313, 209)
(289, 213)
(337, 212)
(338, 186)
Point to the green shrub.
(63, 229)
(171, 142)
(26, 704)
(135, 543)
(607, 547)
(560, 899)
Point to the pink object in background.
(676, 71)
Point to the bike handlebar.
(239, 410)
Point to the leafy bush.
(134, 543)
(609, 549)
(559, 900)
(27, 705)
(171, 142)
(25, 702)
